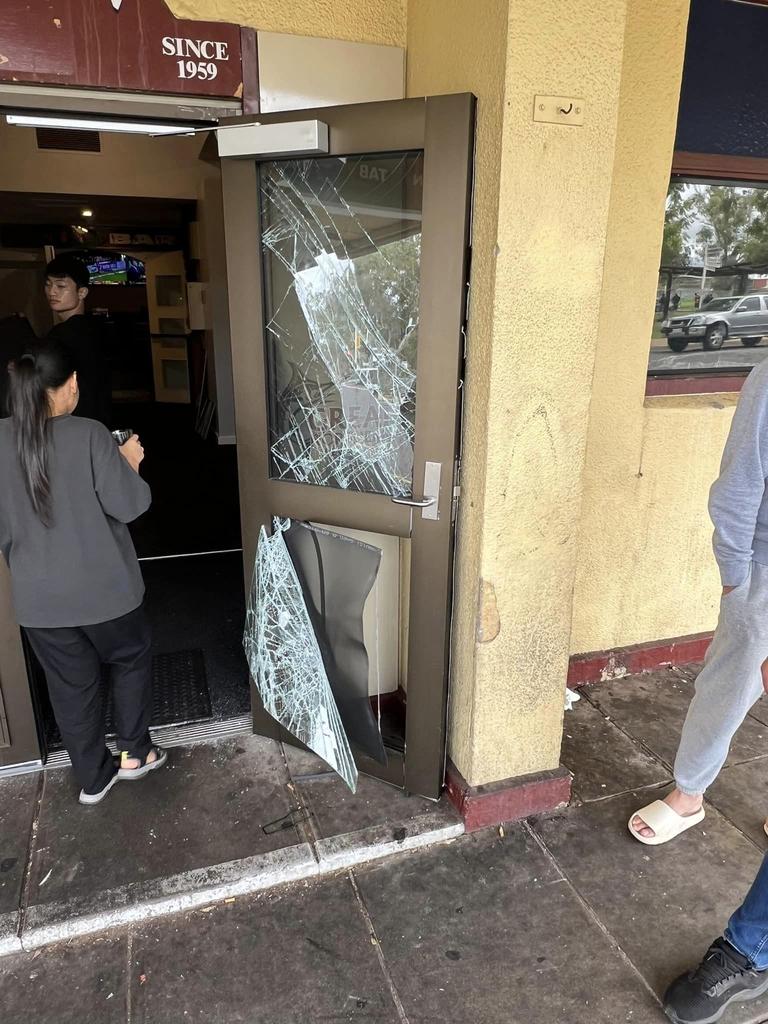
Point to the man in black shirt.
(66, 289)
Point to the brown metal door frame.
(443, 127)
(19, 742)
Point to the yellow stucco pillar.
(543, 208)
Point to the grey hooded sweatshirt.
(738, 500)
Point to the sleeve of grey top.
(736, 495)
(123, 494)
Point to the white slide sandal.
(666, 823)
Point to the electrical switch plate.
(559, 110)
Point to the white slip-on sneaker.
(96, 798)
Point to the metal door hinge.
(456, 490)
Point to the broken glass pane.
(285, 659)
(337, 574)
(342, 248)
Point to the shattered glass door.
(347, 281)
(341, 241)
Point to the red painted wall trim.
(601, 666)
(508, 800)
(704, 385)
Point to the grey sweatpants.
(728, 685)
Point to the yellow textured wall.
(533, 333)
(364, 21)
(458, 47)
(553, 215)
(645, 565)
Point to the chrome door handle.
(415, 502)
(431, 491)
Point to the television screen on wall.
(109, 267)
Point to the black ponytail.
(43, 366)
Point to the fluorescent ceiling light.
(86, 213)
(92, 124)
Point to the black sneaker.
(723, 977)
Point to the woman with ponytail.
(66, 495)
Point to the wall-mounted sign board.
(118, 44)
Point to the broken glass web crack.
(358, 298)
(285, 660)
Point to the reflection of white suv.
(742, 316)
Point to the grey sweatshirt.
(83, 568)
(738, 500)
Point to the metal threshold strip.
(190, 554)
(177, 736)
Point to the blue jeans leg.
(748, 928)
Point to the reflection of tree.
(677, 218)
(389, 282)
(727, 212)
(756, 240)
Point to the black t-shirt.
(15, 335)
(83, 336)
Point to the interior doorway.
(344, 275)
(149, 267)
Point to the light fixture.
(92, 124)
(86, 213)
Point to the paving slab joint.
(139, 902)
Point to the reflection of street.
(732, 354)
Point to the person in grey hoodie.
(67, 494)
(732, 678)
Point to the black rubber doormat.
(180, 693)
(179, 690)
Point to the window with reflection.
(711, 309)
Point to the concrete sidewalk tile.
(17, 810)
(379, 841)
(741, 793)
(603, 760)
(161, 897)
(304, 762)
(78, 983)
(9, 933)
(486, 930)
(760, 712)
(291, 957)
(652, 707)
(688, 672)
(664, 904)
(337, 811)
(206, 807)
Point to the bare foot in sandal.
(681, 803)
(135, 762)
(135, 768)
